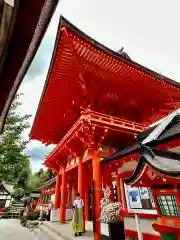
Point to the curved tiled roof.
(164, 162)
(8, 187)
(171, 132)
(84, 72)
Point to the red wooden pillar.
(86, 205)
(57, 191)
(80, 178)
(70, 195)
(123, 195)
(63, 196)
(97, 191)
(118, 188)
(86, 194)
(81, 181)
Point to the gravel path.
(10, 229)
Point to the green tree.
(39, 178)
(14, 163)
(49, 174)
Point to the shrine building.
(47, 192)
(153, 181)
(6, 195)
(95, 101)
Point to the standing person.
(78, 209)
(50, 207)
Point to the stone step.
(39, 235)
(62, 231)
(45, 231)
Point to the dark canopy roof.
(22, 27)
(171, 132)
(48, 183)
(7, 187)
(165, 162)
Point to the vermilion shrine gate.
(95, 101)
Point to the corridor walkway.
(10, 229)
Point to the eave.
(49, 183)
(10, 192)
(169, 137)
(164, 164)
(76, 54)
(26, 23)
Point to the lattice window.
(168, 205)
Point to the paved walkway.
(10, 229)
(65, 230)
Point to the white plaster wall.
(8, 202)
(3, 197)
(55, 214)
(145, 225)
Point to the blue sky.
(148, 30)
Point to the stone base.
(55, 214)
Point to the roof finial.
(123, 54)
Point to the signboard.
(139, 198)
(144, 193)
(134, 197)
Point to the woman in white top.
(77, 223)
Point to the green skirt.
(78, 228)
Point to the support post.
(80, 178)
(118, 188)
(86, 205)
(73, 192)
(123, 195)
(97, 192)
(63, 196)
(70, 195)
(57, 192)
(140, 237)
(86, 194)
(81, 182)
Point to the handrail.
(96, 119)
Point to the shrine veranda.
(95, 102)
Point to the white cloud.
(147, 29)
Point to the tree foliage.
(14, 163)
(40, 177)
